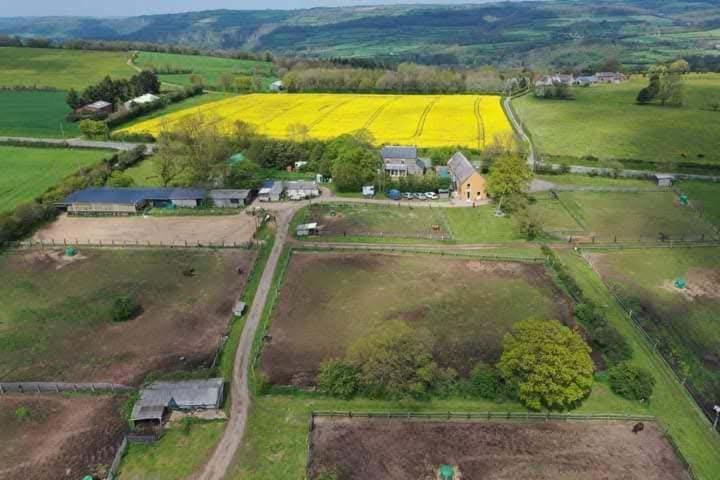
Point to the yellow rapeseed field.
(422, 120)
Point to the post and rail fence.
(90, 243)
(61, 387)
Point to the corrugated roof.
(133, 196)
(398, 152)
(460, 167)
(301, 185)
(187, 395)
(228, 194)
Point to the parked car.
(394, 194)
(431, 195)
(420, 196)
(408, 196)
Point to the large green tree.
(509, 175)
(549, 363)
(352, 161)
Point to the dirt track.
(155, 230)
(369, 449)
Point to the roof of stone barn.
(398, 152)
(460, 167)
(132, 196)
(184, 395)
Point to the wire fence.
(61, 387)
(65, 242)
(112, 473)
(411, 236)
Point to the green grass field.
(408, 224)
(209, 68)
(670, 404)
(35, 114)
(58, 68)
(604, 121)
(26, 172)
(684, 321)
(176, 455)
(629, 216)
(705, 197)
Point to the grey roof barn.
(186, 395)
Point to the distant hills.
(556, 33)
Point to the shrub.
(485, 382)
(631, 382)
(22, 413)
(611, 343)
(125, 308)
(338, 379)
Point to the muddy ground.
(155, 230)
(56, 437)
(328, 300)
(57, 326)
(380, 449)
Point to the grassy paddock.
(59, 68)
(629, 216)
(684, 322)
(27, 172)
(176, 455)
(35, 114)
(328, 300)
(604, 121)
(407, 224)
(209, 68)
(56, 316)
(669, 403)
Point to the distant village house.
(141, 100)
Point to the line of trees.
(405, 78)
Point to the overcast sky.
(13, 8)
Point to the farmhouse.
(557, 79)
(271, 191)
(586, 80)
(158, 398)
(129, 201)
(467, 183)
(95, 108)
(401, 161)
(231, 198)
(141, 100)
(300, 190)
(610, 77)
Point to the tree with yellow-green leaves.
(549, 363)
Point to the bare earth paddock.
(214, 230)
(43, 435)
(374, 449)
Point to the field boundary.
(390, 248)
(29, 244)
(543, 416)
(61, 387)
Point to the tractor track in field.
(378, 112)
(423, 117)
(480, 123)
